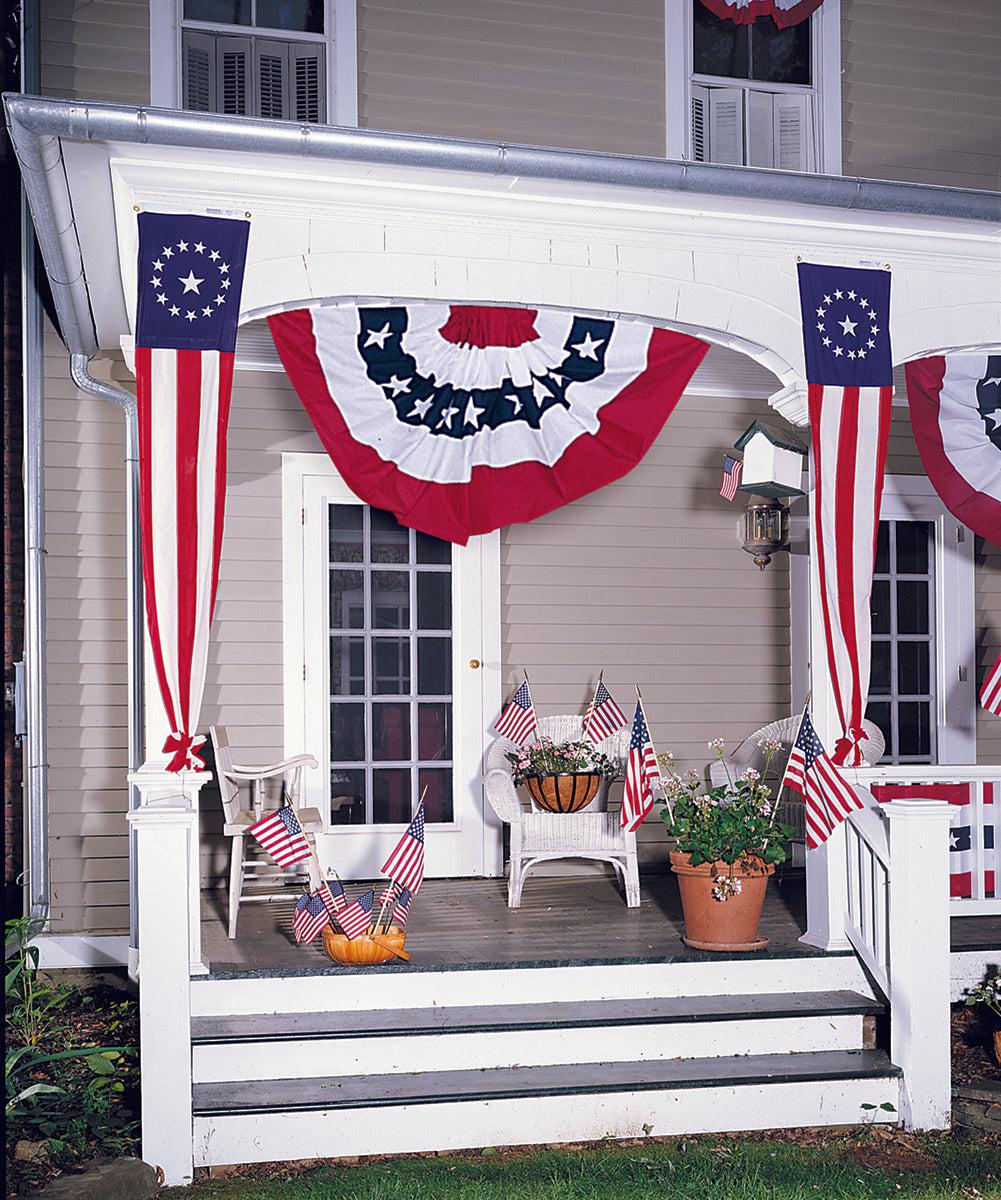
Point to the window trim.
(826, 86)
(340, 41)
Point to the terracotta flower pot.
(730, 924)
(997, 1045)
(565, 793)
(363, 951)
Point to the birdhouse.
(773, 462)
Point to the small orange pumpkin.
(363, 951)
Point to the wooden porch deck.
(564, 920)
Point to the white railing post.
(919, 959)
(164, 831)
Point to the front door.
(397, 677)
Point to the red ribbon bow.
(848, 749)
(184, 747)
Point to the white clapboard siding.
(97, 49)
(920, 100)
(574, 73)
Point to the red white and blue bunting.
(462, 420)
(955, 405)
(745, 12)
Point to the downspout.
(80, 373)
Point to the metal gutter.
(38, 118)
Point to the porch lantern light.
(764, 529)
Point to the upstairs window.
(753, 92)
(255, 58)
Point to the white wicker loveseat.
(538, 836)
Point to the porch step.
(257, 1121)
(276, 1046)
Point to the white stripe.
(163, 479)
(207, 444)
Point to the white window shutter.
(700, 124)
(760, 125)
(198, 71)
(726, 125)
(307, 83)
(793, 132)
(234, 76)
(272, 62)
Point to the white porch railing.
(982, 815)
(897, 919)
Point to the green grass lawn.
(865, 1167)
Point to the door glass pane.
(345, 533)
(347, 796)
(224, 12)
(883, 548)
(878, 711)
(390, 600)
(302, 16)
(879, 679)
(912, 606)
(390, 666)
(914, 717)
(391, 732)
(347, 733)
(433, 551)
(881, 606)
(347, 666)
(913, 674)
(434, 600)
(434, 732)
(347, 599)
(391, 796)
(913, 540)
(438, 797)
(434, 666)
(720, 47)
(390, 540)
(780, 55)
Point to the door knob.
(474, 663)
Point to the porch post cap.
(173, 811)
(917, 809)
(158, 777)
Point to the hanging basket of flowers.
(560, 777)
(728, 844)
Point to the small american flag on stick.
(311, 916)
(731, 477)
(642, 773)
(354, 918)
(405, 866)
(603, 716)
(333, 896)
(519, 719)
(990, 693)
(827, 796)
(402, 909)
(282, 837)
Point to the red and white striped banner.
(190, 272)
(990, 692)
(745, 12)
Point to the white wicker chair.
(748, 754)
(538, 836)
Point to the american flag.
(849, 371)
(355, 918)
(189, 278)
(990, 693)
(518, 720)
(731, 477)
(333, 896)
(642, 772)
(281, 835)
(827, 796)
(402, 909)
(311, 916)
(603, 716)
(405, 866)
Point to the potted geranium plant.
(561, 777)
(989, 995)
(727, 845)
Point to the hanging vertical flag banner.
(190, 275)
(849, 371)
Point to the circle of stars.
(165, 268)
(846, 338)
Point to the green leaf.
(488, 1151)
(99, 1064)
(886, 1106)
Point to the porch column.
(164, 829)
(827, 866)
(920, 959)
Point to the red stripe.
(494, 496)
(189, 407)
(144, 397)
(844, 543)
(222, 424)
(748, 14)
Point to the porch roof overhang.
(346, 214)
